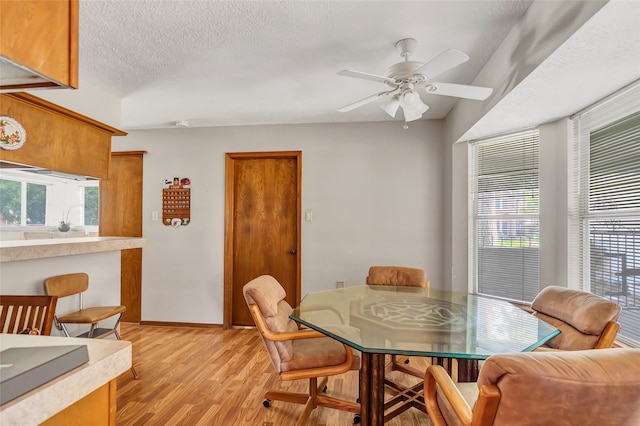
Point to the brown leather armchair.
(585, 320)
(578, 388)
(297, 353)
(398, 276)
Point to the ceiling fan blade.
(364, 101)
(459, 90)
(441, 63)
(367, 76)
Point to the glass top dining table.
(415, 321)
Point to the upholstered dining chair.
(585, 320)
(27, 314)
(297, 353)
(76, 284)
(581, 388)
(398, 276)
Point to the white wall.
(376, 192)
(554, 211)
(87, 100)
(457, 247)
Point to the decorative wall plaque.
(176, 202)
(12, 134)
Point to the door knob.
(292, 251)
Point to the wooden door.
(121, 215)
(262, 226)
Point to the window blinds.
(604, 245)
(614, 166)
(505, 190)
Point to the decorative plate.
(12, 134)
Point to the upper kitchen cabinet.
(38, 44)
(51, 137)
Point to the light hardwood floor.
(194, 376)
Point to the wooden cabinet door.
(121, 215)
(42, 37)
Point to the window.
(505, 230)
(607, 247)
(22, 203)
(29, 199)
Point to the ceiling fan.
(407, 77)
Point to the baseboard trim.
(180, 324)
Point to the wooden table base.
(468, 369)
(405, 398)
(372, 389)
(375, 411)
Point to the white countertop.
(37, 249)
(107, 360)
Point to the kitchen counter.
(39, 249)
(70, 395)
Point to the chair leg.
(92, 330)
(133, 370)
(60, 326)
(309, 399)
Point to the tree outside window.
(22, 204)
(91, 206)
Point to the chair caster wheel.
(406, 361)
(324, 389)
(266, 403)
(356, 419)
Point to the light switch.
(308, 215)
(154, 216)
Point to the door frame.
(229, 207)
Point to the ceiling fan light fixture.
(413, 114)
(391, 107)
(412, 105)
(409, 99)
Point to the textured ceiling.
(597, 60)
(226, 63)
(220, 63)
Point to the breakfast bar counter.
(84, 395)
(26, 264)
(39, 249)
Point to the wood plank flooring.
(195, 376)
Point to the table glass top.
(422, 322)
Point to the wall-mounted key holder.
(176, 202)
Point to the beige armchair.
(585, 321)
(297, 353)
(578, 388)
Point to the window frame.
(500, 218)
